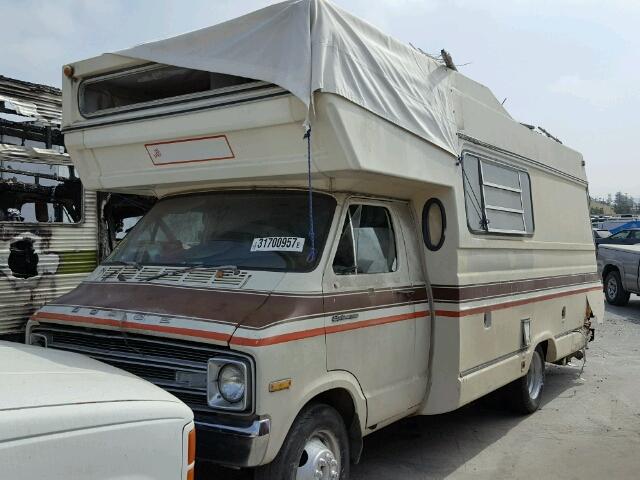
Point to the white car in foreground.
(66, 416)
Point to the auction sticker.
(277, 244)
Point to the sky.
(570, 66)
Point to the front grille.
(195, 401)
(126, 344)
(153, 358)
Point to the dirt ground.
(587, 428)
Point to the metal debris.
(41, 102)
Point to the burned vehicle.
(53, 232)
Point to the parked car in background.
(66, 416)
(618, 266)
(599, 233)
(611, 222)
(629, 236)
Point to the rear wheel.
(316, 448)
(525, 393)
(614, 292)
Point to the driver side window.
(367, 242)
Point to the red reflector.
(191, 452)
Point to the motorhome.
(52, 230)
(348, 232)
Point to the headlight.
(228, 384)
(232, 383)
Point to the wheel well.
(606, 270)
(545, 348)
(341, 400)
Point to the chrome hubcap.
(318, 460)
(612, 287)
(534, 376)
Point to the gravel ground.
(588, 426)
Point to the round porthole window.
(434, 224)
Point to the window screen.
(33, 192)
(367, 242)
(497, 197)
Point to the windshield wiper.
(191, 268)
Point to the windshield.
(250, 230)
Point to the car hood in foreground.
(33, 377)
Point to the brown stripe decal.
(232, 308)
(286, 337)
(302, 334)
(515, 303)
(254, 310)
(466, 293)
(251, 310)
(314, 332)
(189, 332)
(378, 298)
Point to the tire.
(525, 393)
(314, 441)
(614, 292)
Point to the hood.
(203, 314)
(37, 377)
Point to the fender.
(331, 380)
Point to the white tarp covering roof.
(309, 45)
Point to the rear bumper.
(234, 446)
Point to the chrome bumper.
(231, 445)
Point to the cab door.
(369, 315)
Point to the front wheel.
(614, 292)
(525, 393)
(316, 448)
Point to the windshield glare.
(251, 230)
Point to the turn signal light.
(278, 385)
(191, 455)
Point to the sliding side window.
(367, 242)
(497, 197)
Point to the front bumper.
(237, 446)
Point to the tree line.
(621, 203)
